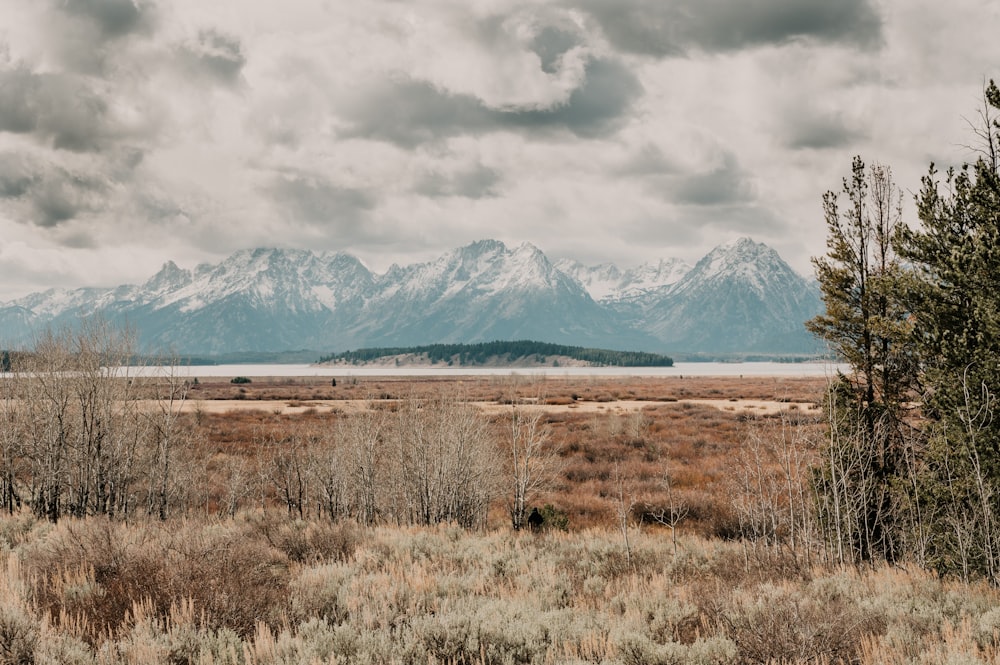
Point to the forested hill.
(499, 353)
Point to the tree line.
(911, 466)
(478, 354)
(425, 462)
(75, 437)
(81, 436)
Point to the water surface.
(720, 369)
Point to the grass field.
(235, 575)
(692, 427)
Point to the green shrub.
(554, 518)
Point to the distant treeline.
(478, 354)
(235, 358)
(142, 360)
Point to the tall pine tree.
(865, 326)
(954, 298)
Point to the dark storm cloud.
(90, 36)
(112, 18)
(595, 108)
(726, 184)
(817, 132)
(61, 196)
(412, 112)
(215, 54)
(550, 44)
(16, 176)
(46, 194)
(658, 28)
(57, 109)
(478, 182)
(315, 200)
(649, 160)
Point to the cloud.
(595, 108)
(817, 131)
(69, 112)
(725, 184)
(112, 18)
(675, 28)
(551, 44)
(474, 183)
(316, 201)
(46, 194)
(722, 182)
(60, 196)
(89, 36)
(16, 176)
(648, 160)
(411, 112)
(214, 54)
(55, 108)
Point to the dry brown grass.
(262, 590)
(645, 423)
(259, 587)
(502, 388)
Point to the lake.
(804, 369)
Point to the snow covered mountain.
(485, 291)
(741, 297)
(607, 283)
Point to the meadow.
(678, 530)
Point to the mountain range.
(741, 298)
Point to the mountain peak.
(743, 242)
(169, 277)
(735, 253)
(273, 299)
(481, 247)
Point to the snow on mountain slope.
(741, 297)
(485, 291)
(607, 283)
(297, 280)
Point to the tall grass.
(260, 589)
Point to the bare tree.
(852, 498)
(12, 437)
(445, 453)
(86, 441)
(168, 435)
(676, 509)
(46, 398)
(972, 491)
(329, 474)
(363, 435)
(531, 462)
(286, 469)
(773, 492)
(624, 503)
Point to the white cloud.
(397, 130)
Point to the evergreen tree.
(954, 297)
(865, 325)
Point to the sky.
(133, 132)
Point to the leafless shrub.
(781, 624)
(18, 637)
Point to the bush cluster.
(261, 589)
